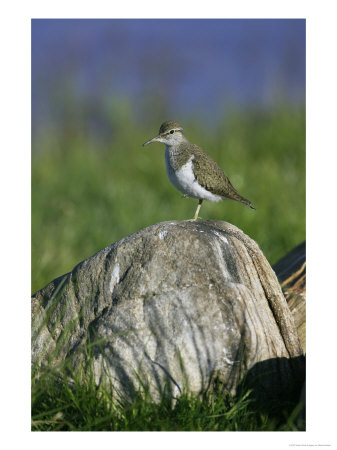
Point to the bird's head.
(170, 133)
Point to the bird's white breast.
(184, 180)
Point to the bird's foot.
(195, 219)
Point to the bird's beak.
(155, 139)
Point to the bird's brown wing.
(211, 177)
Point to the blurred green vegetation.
(89, 191)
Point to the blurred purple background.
(167, 68)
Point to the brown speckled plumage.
(211, 177)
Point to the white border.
(321, 220)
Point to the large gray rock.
(174, 305)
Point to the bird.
(192, 171)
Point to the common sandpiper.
(192, 171)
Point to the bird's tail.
(243, 200)
(250, 205)
(234, 195)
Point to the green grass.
(80, 405)
(88, 193)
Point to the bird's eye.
(172, 131)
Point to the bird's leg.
(197, 211)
